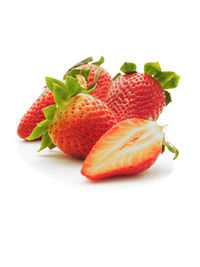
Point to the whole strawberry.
(77, 120)
(104, 82)
(141, 95)
(35, 115)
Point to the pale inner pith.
(128, 148)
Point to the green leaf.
(39, 130)
(167, 79)
(51, 146)
(82, 62)
(58, 88)
(128, 68)
(172, 149)
(51, 83)
(46, 141)
(88, 91)
(85, 73)
(116, 76)
(168, 98)
(164, 76)
(49, 111)
(96, 77)
(73, 73)
(99, 62)
(173, 83)
(72, 85)
(60, 94)
(152, 68)
(90, 88)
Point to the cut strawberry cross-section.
(129, 147)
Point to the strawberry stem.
(116, 76)
(99, 62)
(82, 62)
(170, 147)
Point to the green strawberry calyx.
(167, 79)
(128, 68)
(74, 84)
(84, 62)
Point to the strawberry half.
(129, 147)
(141, 95)
(35, 115)
(77, 120)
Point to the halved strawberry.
(129, 147)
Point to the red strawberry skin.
(129, 147)
(123, 171)
(79, 123)
(104, 83)
(35, 115)
(136, 96)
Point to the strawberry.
(77, 120)
(104, 82)
(141, 95)
(35, 115)
(129, 147)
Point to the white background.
(50, 215)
